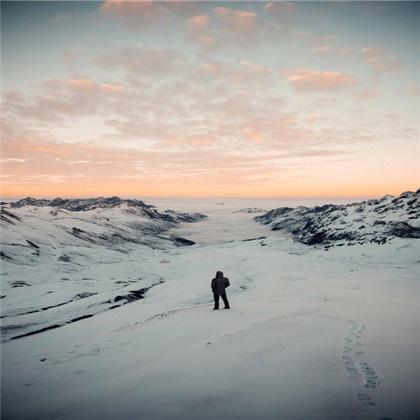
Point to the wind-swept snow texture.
(125, 329)
(55, 254)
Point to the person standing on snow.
(218, 286)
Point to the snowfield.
(117, 322)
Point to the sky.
(209, 99)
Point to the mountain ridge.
(375, 220)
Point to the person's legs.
(216, 301)
(225, 301)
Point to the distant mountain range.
(376, 221)
(31, 226)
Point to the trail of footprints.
(356, 368)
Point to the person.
(218, 286)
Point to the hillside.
(376, 221)
(56, 257)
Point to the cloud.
(198, 31)
(162, 118)
(141, 15)
(227, 27)
(63, 98)
(236, 19)
(141, 61)
(83, 84)
(380, 60)
(135, 15)
(307, 80)
(237, 25)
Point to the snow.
(312, 334)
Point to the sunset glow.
(209, 99)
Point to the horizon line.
(212, 197)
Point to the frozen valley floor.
(311, 335)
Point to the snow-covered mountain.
(31, 227)
(377, 221)
(54, 253)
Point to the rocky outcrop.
(376, 221)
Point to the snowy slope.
(52, 249)
(312, 335)
(377, 221)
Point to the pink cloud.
(233, 27)
(198, 31)
(318, 80)
(198, 23)
(143, 14)
(63, 98)
(136, 14)
(380, 60)
(85, 84)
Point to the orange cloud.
(89, 85)
(318, 80)
(139, 15)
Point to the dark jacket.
(219, 284)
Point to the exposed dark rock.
(50, 327)
(79, 318)
(134, 295)
(19, 283)
(64, 258)
(403, 230)
(254, 239)
(7, 216)
(4, 256)
(84, 295)
(32, 244)
(178, 240)
(317, 238)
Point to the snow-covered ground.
(312, 334)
